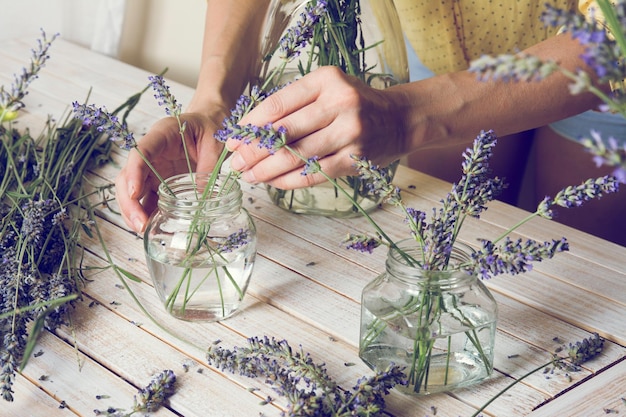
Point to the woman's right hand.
(136, 185)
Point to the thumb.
(208, 155)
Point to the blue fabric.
(417, 70)
(579, 126)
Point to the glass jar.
(440, 325)
(200, 247)
(372, 48)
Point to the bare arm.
(228, 56)
(455, 107)
(229, 52)
(329, 115)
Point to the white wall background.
(150, 34)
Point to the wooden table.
(306, 289)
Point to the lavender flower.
(312, 166)
(602, 53)
(609, 153)
(362, 243)
(148, 399)
(268, 137)
(475, 189)
(377, 180)
(304, 383)
(11, 352)
(299, 35)
(12, 101)
(581, 352)
(575, 196)
(164, 96)
(155, 395)
(234, 240)
(105, 122)
(512, 257)
(516, 68)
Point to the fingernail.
(132, 190)
(229, 146)
(237, 162)
(249, 177)
(137, 224)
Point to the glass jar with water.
(364, 39)
(440, 325)
(200, 246)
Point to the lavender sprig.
(305, 384)
(362, 243)
(164, 97)
(576, 196)
(378, 181)
(608, 152)
(105, 122)
(149, 399)
(299, 35)
(12, 101)
(512, 257)
(234, 241)
(577, 354)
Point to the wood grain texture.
(305, 288)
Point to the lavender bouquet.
(44, 209)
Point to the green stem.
(120, 274)
(360, 209)
(613, 23)
(510, 386)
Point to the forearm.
(229, 52)
(455, 107)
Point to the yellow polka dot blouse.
(448, 34)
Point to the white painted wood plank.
(603, 395)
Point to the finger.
(208, 151)
(257, 165)
(333, 166)
(285, 102)
(128, 200)
(306, 132)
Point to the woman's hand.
(136, 185)
(327, 114)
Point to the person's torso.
(448, 34)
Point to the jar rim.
(185, 193)
(398, 266)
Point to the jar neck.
(400, 268)
(191, 196)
